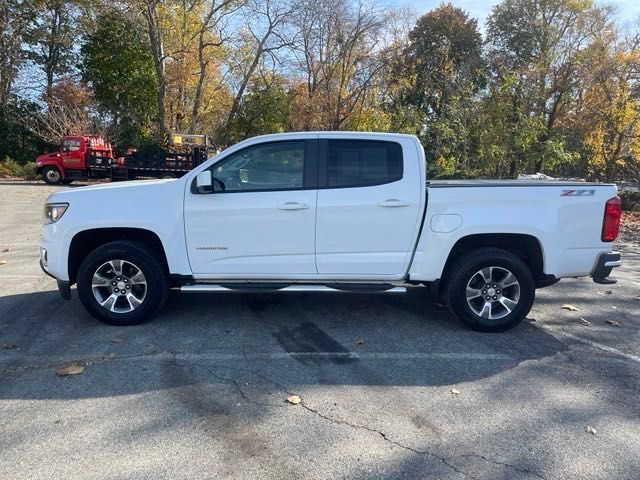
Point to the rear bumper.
(604, 265)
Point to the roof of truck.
(334, 134)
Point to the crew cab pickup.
(327, 211)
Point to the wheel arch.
(86, 241)
(527, 247)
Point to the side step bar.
(203, 287)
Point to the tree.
(51, 39)
(69, 111)
(540, 43)
(336, 54)
(610, 108)
(16, 17)
(264, 109)
(117, 63)
(444, 62)
(263, 37)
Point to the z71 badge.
(577, 193)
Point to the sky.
(628, 10)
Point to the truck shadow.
(268, 339)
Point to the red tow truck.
(90, 156)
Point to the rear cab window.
(361, 163)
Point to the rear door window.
(362, 163)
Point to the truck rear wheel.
(490, 289)
(121, 283)
(51, 175)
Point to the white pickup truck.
(327, 211)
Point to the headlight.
(54, 211)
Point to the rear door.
(369, 209)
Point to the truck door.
(73, 151)
(260, 219)
(370, 201)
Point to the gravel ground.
(391, 386)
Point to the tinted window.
(359, 163)
(271, 166)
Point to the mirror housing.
(204, 182)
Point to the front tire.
(122, 283)
(51, 176)
(490, 289)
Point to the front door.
(260, 220)
(73, 151)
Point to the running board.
(358, 288)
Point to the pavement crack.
(337, 421)
(385, 437)
(231, 381)
(502, 464)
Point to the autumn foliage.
(545, 86)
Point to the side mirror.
(204, 182)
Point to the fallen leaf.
(69, 370)
(117, 340)
(584, 322)
(615, 323)
(9, 345)
(532, 319)
(5, 250)
(608, 292)
(3, 262)
(455, 391)
(590, 429)
(359, 341)
(294, 399)
(566, 306)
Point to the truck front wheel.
(122, 283)
(490, 289)
(51, 175)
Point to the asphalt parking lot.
(391, 386)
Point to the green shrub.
(29, 171)
(630, 200)
(9, 168)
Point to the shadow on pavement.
(312, 339)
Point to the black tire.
(51, 175)
(471, 270)
(156, 286)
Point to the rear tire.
(490, 290)
(51, 175)
(122, 283)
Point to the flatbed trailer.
(90, 157)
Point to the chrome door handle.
(293, 206)
(393, 202)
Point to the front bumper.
(64, 287)
(604, 265)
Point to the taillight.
(611, 221)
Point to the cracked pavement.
(201, 391)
